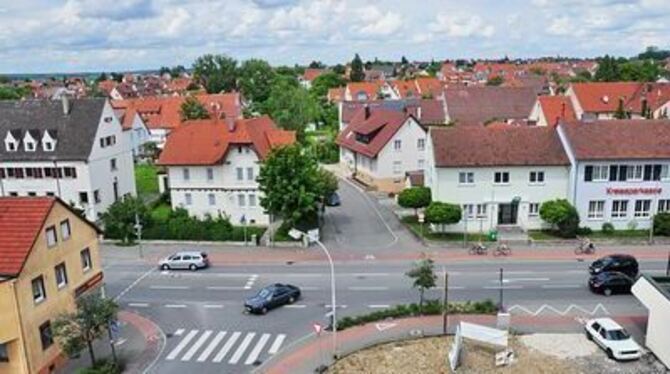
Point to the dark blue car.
(271, 297)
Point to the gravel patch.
(563, 346)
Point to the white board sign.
(484, 334)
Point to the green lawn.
(412, 223)
(618, 234)
(146, 180)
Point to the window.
(11, 146)
(96, 196)
(52, 237)
(241, 200)
(536, 177)
(188, 198)
(61, 275)
(466, 177)
(186, 174)
(48, 146)
(252, 200)
(240, 174)
(32, 193)
(642, 208)
(83, 197)
(619, 208)
(102, 142)
(49, 193)
(39, 294)
(210, 174)
(14, 194)
(112, 164)
(70, 172)
(481, 210)
(250, 174)
(634, 172)
(596, 209)
(533, 209)
(596, 173)
(665, 172)
(469, 211)
(663, 206)
(86, 262)
(45, 335)
(501, 177)
(421, 144)
(397, 167)
(212, 199)
(30, 146)
(4, 355)
(65, 229)
(397, 144)
(420, 164)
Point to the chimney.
(231, 124)
(563, 110)
(367, 111)
(66, 104)
(418, 112)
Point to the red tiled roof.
(406, 88)
(21, 220)
(369, 88)
(497, 146)
(477, 105)
(619, 139)
(311, 74)
(602, 97)
(432, 111)
(336, 94)
(384, 122)
(555, 108)
(206, 142)
(430, 86)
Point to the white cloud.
(376, 22)
(461, 25)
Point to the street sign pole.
(138, 232)
(500, 307)
(445, 303)
(111, 341)
(667, 269)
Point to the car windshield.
(617, 335)
(264, 293)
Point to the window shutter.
(647, 172)
(588, 173)
(623, 172)
(657, 173)
(613, 172)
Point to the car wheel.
(607, 292)
(291, 300)
(192, 267)
(264, 310)
(610, 354)
(165, 267)
(589, 336)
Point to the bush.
(103, 367)
(607, 228)
(414, 197)
(562, 215)
(662, 224)
(443, 213)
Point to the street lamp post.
(138, 232)
(332, 295)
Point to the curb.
(154, 342)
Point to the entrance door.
(507, 213)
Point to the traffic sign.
(317, 328)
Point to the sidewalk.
(314, 351)
(138, 345)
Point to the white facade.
(537, 115)
(107, 174)
(228, 189)
(649, 293)
(138, 135)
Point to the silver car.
(190, 260)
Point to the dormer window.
(11, 143)
(30, 146)
(49, 141)
(29, 142)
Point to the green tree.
(10, 93)
(288, 180)
(192, 109)
(404, 61)
(255, 79)
(100, 78)
(339, 69)
(608, 70)
(654, 53)
(324, 82)
(317, 65)
(119, 219)
(443, 213)
(78, 330)
(423, 275)
(415, 198)
(356, 74)
(163, 70)
(621, 111)
(217, 73)
(328, 183)
(662, 224)
(4, 79)
(562, 216)
(176, 71)
(495, 81)
(118, 77)
(291, 106)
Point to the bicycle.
(478, 249)
(585, 247)
(502, 250)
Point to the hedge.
(430, 307)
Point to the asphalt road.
(202, 316)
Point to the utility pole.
(667, 269)
(445, 303)
(651, 231)
(500, 307)
(138, 232)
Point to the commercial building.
(48, 258)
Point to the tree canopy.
(119, 219)
(192, 109)
(611, 69)
(357, 74)
(562, 215)
(423, 275)
(324, 82)
(291, 106)
(255, 79)
(443, 213)
(414, 197)
(217, 73)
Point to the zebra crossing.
(233, 348)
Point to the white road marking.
(251, 281)
(295, 306)
(336, 306)
(451, 288)
(138, 305)
(182, 344)
(561, 312)
(226, 347)
(120, 341)
(242, 348)
(370, 274)
(212, 345)
(135, 283)
(169, 287)
(225, 288)
(175, 306)
(191, 352)
(274, 348)
(179, 332)
(559, 286)
(212, 306)
(253, 356)
(365, 288)
(379, 306)
(503, 287)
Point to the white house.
(548, 110)
(73, 149)
(654, 293)
(499, 176)
(134, 129)
(213, 165)
(619, 171)
(379, 146)
(601, 100)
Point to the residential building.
(499, 175)
(654, 293)
(309, 76)
(619, 171)
(427, 112)
(73, 149)
(602, 100)
(364, 91)
(548, 110)
(212, 166)
(480, 105)
(48, 258)
(422, 87)
(135, 130)
(379, 146)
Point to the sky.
(49, 36)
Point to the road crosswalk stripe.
(175, 352)
(253, 356)
(274, 348)
(242, 348)
(212, 345)
(226, 347)
(179, 332)
(191, 352)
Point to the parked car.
(191, 260)
(271, 297)
(610, 282)
(612, 338)
(621, 263)
(333, 200)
